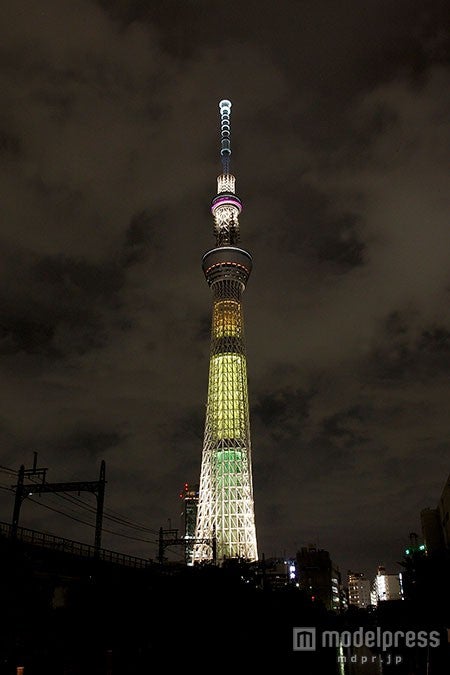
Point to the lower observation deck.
(227, 262)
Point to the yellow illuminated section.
(227, 319)
(228, 396)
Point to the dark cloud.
(91, 442)
(18, 334)
(315, 230)
(140, 238)
(62, 312)
(9, 144)
(344, 428)
(68, 278)
(283, 412)
(342, 247)
(408, 351)
(70, 303)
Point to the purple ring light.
(226, 201)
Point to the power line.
(85, 522)
(79, 520)
(90, 509)
(118, 518)
(51, 508)
(6, 470)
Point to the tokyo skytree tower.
(225, 507)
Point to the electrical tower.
(225, 507)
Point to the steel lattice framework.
(225, 508)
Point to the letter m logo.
(304, 639)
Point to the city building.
(318, 577)
(436, 523)
(414, 548)
(225, 507)
(358, 589)
(432, 530)
(343, 594)
(415, 561)
(386, 587)
(444, 511)
(278, 574)
(189, 495)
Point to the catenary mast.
(225, 507)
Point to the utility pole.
(24, 490)
(171, 538)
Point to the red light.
(313, 597)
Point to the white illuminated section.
(226, 183)
(225, 133)
(226, 206)
(225, 217)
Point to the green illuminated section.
(229, 468)
(228, 396)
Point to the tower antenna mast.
(225, 134)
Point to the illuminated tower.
(225, 508)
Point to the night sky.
(108, 162)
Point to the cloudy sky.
(108, 162)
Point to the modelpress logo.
(304, 640)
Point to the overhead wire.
(118, 519)
(5, 469)
(85, 522)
